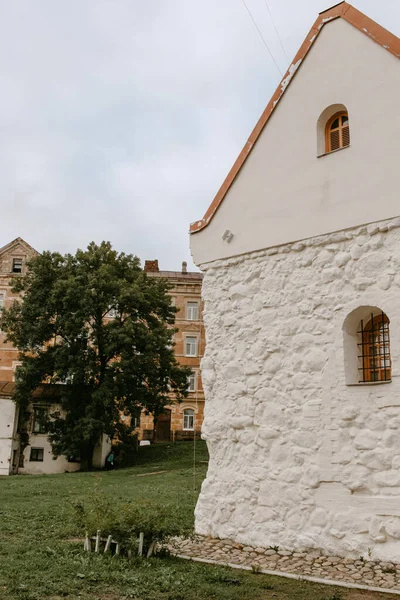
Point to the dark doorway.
(163, 427)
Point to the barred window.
(337, 133)
(375, 349)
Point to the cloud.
(119, 120)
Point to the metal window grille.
(374, 347)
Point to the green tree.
(95, 322)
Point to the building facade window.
(16, 265)
(192, 311)
(191, 346)
(188, 419)
(192, 382)
(337, 133)
(36, 455)
(375, 349)
(16, 365)
(40, 416)
(112, 313)
(2, 297)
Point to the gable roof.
(343, 10)
(15, 242)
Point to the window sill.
(362, 383)
(332, 152)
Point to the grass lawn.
(41, 560)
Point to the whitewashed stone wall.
(7, 426)
(298, 458)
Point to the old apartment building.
(182, 421)
(13, 258)
(34, 455)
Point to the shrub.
(125, 523)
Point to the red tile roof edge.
(344, 10)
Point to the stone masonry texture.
(299, 459)
(313, 564)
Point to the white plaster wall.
(284, 192)
(7, 420)
(297, 458)
(49, 466)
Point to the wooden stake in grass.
(108, 544)
(97, 546)
(117, 549)
(87, 546)
(151, 548)
(141, 539)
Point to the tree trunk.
(155, 421)
(87, 457)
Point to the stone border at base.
(369, 575)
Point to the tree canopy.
(96, 323)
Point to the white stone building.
(24, 444)
(300, 251)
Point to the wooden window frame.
(35, 454)
(192, 377)
(338, 115)
(196, 345)
(17, 265)
(40, 416)
(375, 350)
(188, 414)
(192, 308)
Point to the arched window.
(337, 132)
(366, 346)
(375, 349)
(188, 419)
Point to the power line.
(262, 37)
(276, 29)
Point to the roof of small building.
(45, 390)
(344, 10)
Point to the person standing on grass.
(110, 462)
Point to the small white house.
(300, 251)
(24, 444)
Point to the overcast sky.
(119, 119)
